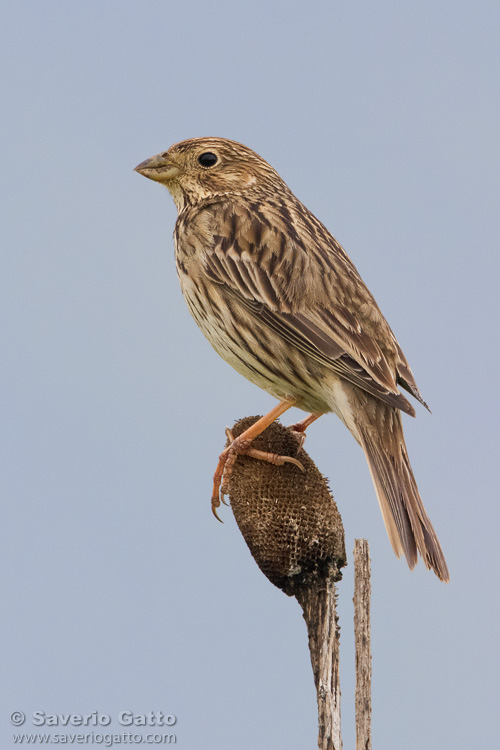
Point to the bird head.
(201, 168)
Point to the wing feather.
(293, 274)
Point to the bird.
(280, 300)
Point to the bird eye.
(207, 159)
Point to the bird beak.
(158, 168)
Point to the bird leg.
(299, 428)
(242, 446)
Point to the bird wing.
(289, 271)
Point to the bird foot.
(299, 428)
(237, 447)
(299, 432)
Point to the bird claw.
(215, 505)
(299, 435)
(294, 461)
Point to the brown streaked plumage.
(279, 299)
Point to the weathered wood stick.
(362, 592)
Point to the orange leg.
(304, 423)
(242, 444)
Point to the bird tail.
(406, 521)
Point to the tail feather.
(408, 526)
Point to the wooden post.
(362, 592)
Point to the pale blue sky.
(120, 590)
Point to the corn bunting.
(279, 299)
